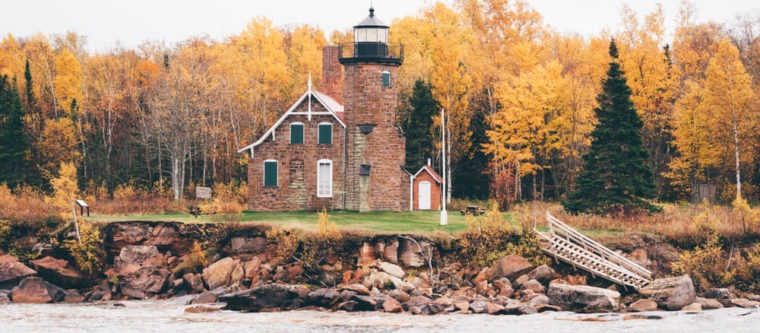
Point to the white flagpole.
(444, 213)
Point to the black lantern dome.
(371, 43)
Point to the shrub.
(325, 242)
(282, 241)
(6, 230)
(706, 265)
(490, 237)
(227, 199)
(88, 255)
(194, 263)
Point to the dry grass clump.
(26, 207)
(227, 198)
(680, 225)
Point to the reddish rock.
(390, 252)
(671, 293)
(12, 271)
(462, 304)
(692, 307)
(73, 296)
(413, 255)
(391, 305)
(493, 308)
(357, 288)
(482, 287)
(533, 285)
(36, 290)
(547, 308)
(640, 257)
(709, 303)
(206, 298)
(290, 274)
(542, 274)
(145, 282)
(218, 274)
(245, 247)
(392, 269)
(204, 308)
(366, 254)
(399, 295)
(484, 274)
(59, 272)
(744, 303)
(251, 267)
(511, 267)
(194, 282)
(643, 305)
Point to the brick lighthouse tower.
(375, 147)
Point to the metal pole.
(444, 213)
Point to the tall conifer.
(616, 177)
(419, 127)
(13, 143)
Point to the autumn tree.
(729, 98)
(616, 177)
(13, 141)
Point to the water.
(169, 316)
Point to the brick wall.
(368, 102)
(332, 81)
(435, 191)
(297, 166)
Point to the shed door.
(424, 196)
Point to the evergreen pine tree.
(616, 177)
(418, 129)
(13, 143)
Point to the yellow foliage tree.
(68, 80)
(65, 190)
(57, 144)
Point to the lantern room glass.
(371, 35)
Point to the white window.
(324, 179)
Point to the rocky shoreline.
(391, 273)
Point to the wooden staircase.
(566, 244)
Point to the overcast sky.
(129, 22)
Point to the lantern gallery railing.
(369, 51)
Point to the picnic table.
(472, 210)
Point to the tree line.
(520, 99)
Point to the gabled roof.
(429, 170)
(334, 109)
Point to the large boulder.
(411, 254)
(542, 274)
(269, 297)
(643, 305)
(392, 269)
(583, 298)
(36, 290)
(12, 271)
(219, 273)
(59, 272)
(511, 267)
(145, 282)
(325, 298)
(246, 247)
(390, 251)
(671, 293)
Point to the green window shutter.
(325, 134)
(296, 133)
(270, 173)
(386, 79)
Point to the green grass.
(376, 222)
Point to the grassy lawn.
(376, 222)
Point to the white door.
(424, 196)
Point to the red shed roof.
(429, 170)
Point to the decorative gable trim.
(331, 105)
(430, 171)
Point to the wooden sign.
(202, 192)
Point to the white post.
(444, 213)
(76, 224)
